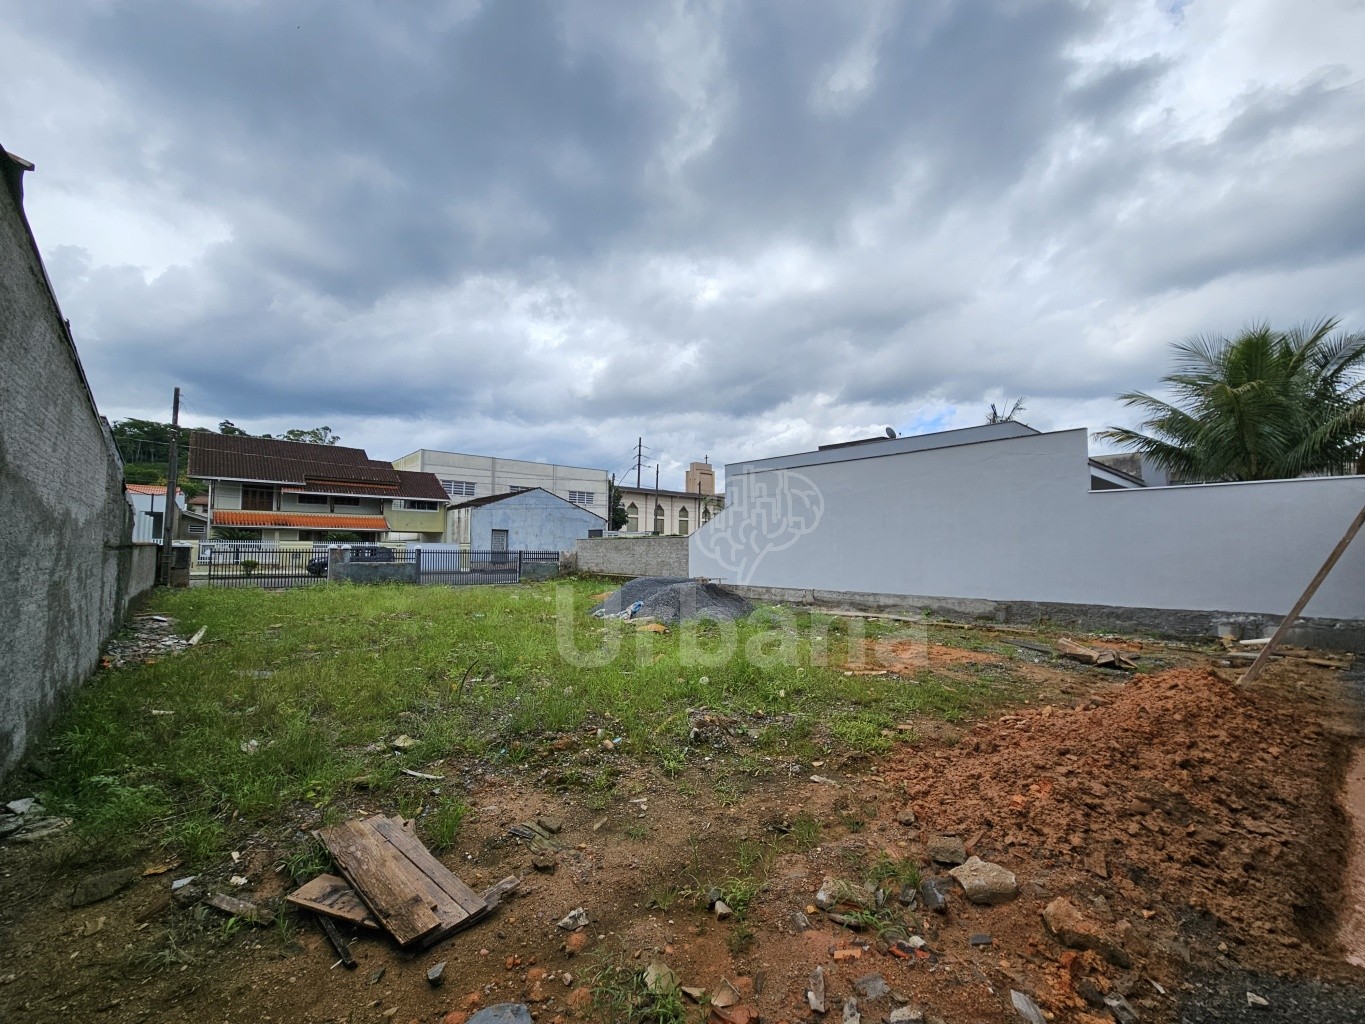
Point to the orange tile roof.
(304, 520)
(149, 488)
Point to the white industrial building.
(480, 476)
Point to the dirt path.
(1194, 825)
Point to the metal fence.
(271, 567)
(261, 566)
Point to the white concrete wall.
(1014, 519)
(496, 476)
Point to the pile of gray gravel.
(673, 598)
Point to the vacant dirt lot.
(1194, 828)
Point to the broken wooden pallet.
(330, 895)
(1100, 658)
(415, 897)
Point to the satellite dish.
(890, 432)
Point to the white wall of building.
(485, 475)
(1014, 519)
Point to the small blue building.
(529, 520)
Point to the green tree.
(231, 429)
(1264, 405)
(318, 435)
(617, 517)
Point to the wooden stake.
(1258, 665)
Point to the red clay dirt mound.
(1195, 822)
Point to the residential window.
(312, 499)
(258, 499)
(517, 490)
(682, 521)
(195, 529)
(459, 488)
(632, 518)
(582, 497)
(659, 525)
(345, 499)
(415, 506)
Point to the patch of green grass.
(442, 823)
(620, 995)
(293, 699)
(887, 869)
(198, 838)
(805, 832)
(310, 858)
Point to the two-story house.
(282, 491)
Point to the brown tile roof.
(420, 485)
(305, 468)
(227, 457)
(303, 520)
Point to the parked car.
(369, 553)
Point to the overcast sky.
(541, 230)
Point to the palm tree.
(1006, 415)
(1265, 405)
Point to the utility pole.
(172, 475)
(639, 459)
(657, 506)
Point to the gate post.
(519, 554)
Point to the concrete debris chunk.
(837, 893)
(94, 888)
(574, 920)
(660, 979)
(503, 1013)
(436, 974)
(851, 1014)
(815, 995)
(1073, 928)
(986, 883)
(946, 849)
(872, 987)
(933, 892)
(1027, 1008)
(1122, 1011)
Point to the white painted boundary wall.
(1014, 519)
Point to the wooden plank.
(421, 858)
(330, 895)
(334, 936)
(494, 893)
(1259, 664)
(383, 878)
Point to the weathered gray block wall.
(1339, 634)
(1013, 521)
(64, 523)
(633, 556)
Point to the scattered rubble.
(144, 640)
(27, 821)
(669, 599)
